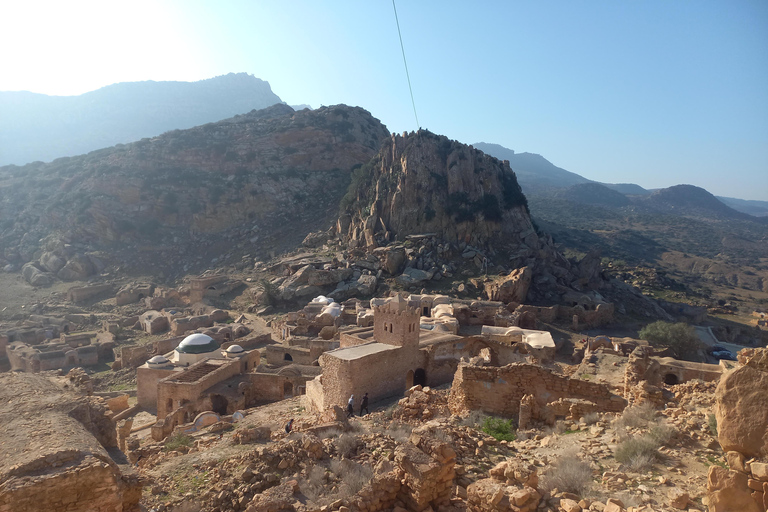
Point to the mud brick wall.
(498, 390)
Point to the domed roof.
(197, 343)
(235, 349)
(158, 360)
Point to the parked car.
(719, 352)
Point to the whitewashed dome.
(235, 349)
(197, 343)
(158, 362)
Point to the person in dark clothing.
(289, 426)
(364, 405)
(351, 407)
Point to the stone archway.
(219, 404)
(287, 357)
(671, 379)
(287, 389)
(420, 377)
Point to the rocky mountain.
(594, 194)
(756, 208)
(690, 201)
(254, 183)
(39, 127)
(534, 172)
(424, 183)
(628, 189)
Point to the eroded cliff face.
(425, 183)
(270, 175)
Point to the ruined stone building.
(402, 349)
(187, 374)
(68, 351)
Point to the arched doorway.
(287, 357)
(287, 389)
(420, 377)
(671, 379)
(219, 404)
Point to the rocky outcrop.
(510, 288)
(741, 405)
(425, 183)
(57, 450)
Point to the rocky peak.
(426, 183)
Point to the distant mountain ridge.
(37, 127)
(534, 172)
(537, 175)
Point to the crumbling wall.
(499, 390)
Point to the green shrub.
(499, 428)
(178, 440)
(712, 422)
(680, 338)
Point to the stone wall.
(276, 355)
(147, 380)
(81, 293)
(499, 390)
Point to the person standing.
(351, 407)
(364, 405)
(289, 426)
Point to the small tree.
(680, 338)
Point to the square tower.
(396, 322)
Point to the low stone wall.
(81, 293)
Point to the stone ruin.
(528, 392)
(59, 450)
(69, 351)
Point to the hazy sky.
(651, 92)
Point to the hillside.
(248, 184)
(36, 127)
(534, 172)
(690, 201)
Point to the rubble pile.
(422, 403)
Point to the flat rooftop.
(359, 351)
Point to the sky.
(658, 92)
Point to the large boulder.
(728, 491)
(510, 288)
(52, 262)
(35, 276)
(741, 405)
(413, 276)
(78, 267)
(393, 260)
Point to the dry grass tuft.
(568, 473)
(637, 416)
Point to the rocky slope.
(39, 127)
(255, 183)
